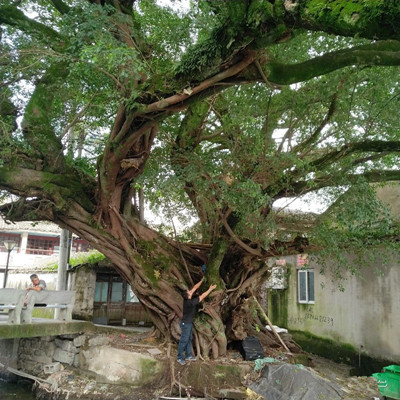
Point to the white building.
(31, 245)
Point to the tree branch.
(11, 16)
(60, 6)
(55, 188)
(237, 240)
(315, 135)
(374, 54)
(372, 176)
(77, 117)
(36, 124)
(368, 19)
(294, 187)
(28, 210)
(178, 98)
(375, 176)
(375, 146)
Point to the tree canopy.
(218, 107)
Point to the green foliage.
(91, 257)
(90, 31)
(370, 16)
(155, 22)
(83, 165)
(251, 162)
(203, 55)
(8, 112)
(259, 11)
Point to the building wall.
(37, 245)
(390, 195)
(83, 281)
(364, 315)
(21, 280)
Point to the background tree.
(221, 110)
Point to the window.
(42, 245)
(101, 292)
(101, 288)
(306, 285)
(80, 245)
(113, 289)
(117, 292)
(130, 296)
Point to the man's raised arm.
(196, 286)
(205, 294)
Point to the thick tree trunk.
(159, 270)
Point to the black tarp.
(293, 382)
(251, 349)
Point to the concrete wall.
(34, 354)
(390, 195)
(8, 357)
(88, 353)
(21, 280)
(83, 281)
(365, 315)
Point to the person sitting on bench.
(36, 284)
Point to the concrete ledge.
(44, 328)
(214, 380)
(235, 394)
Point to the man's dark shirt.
(189, 308)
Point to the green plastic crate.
(392, 368)
(388, 383)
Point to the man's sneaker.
(180, 361)
(191, 358)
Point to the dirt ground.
(355, 387)
(70, 383)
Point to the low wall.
(35, 354)
(8, 356)
(20, 279)
(105, 366)
(91, 354)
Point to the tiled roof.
(45, 227)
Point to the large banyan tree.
(217, 109)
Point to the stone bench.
(13, 301)
(63, 300)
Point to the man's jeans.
(185, 342)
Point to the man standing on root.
(190, 303)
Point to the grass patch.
(90, 257)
